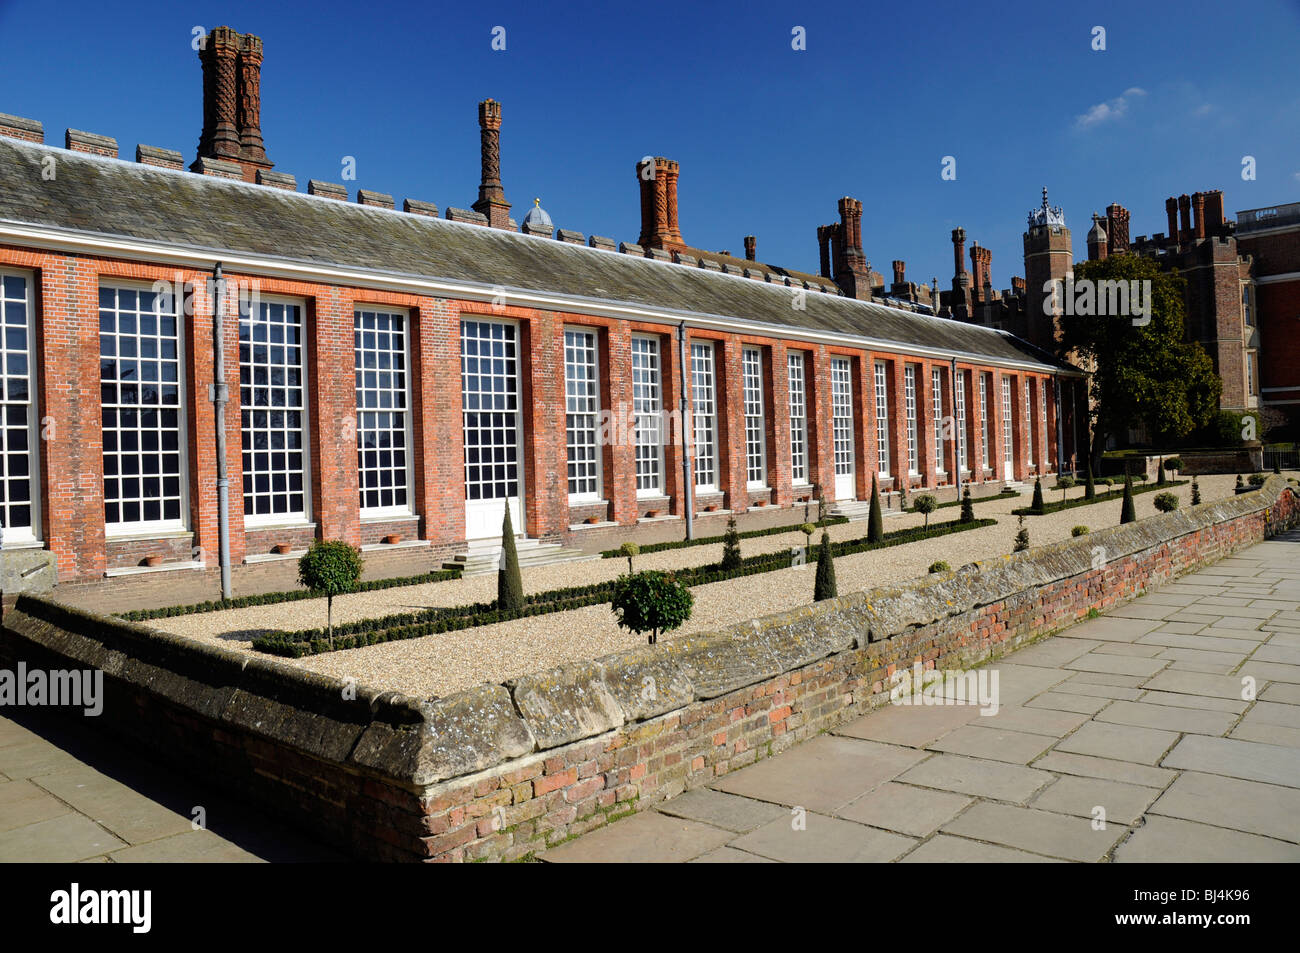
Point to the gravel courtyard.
(447, 662)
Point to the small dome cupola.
(537, 220)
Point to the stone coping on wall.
(435, 746)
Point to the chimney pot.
(751, 247)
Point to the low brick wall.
(501, 771)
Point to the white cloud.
(1203, 110)
(1111, 109)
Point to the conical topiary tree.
(1196, 493)
(1161, 477)
(1089, 488)
(1022, 536)
(1037, 504)
(875, 521)
(730, 546)
(1127, 513)
(824, 587)
(967, 506)
(510, 585)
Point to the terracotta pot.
(760, 502)
(281, 549)
(711, 507)
(392, 539)
(153, 560)
(592, 520)
(651, 514)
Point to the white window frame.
(647, 408)
(751, 361)
(704, 415)
(303, 518)
(936, 409)
(1008, 437)
(795, 374)
(31, 534)
(573, 403)
(959, 392)
(1046, 433)
(882, 418)
(913, 438)
(1030, 424)
(142, 527)
(986, 452)
(381, 512)
(512, 471)
(842, 414)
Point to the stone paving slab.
(203, 847)
(1247, 760)
(728, 811)
(729, 855)
(1014, 747)
(1168, 718)
(1038, 721)
(1123, 803)
(824, 840)
(648, 837)
(1278, 692)
(1268, 734)
(913, 726)
(905, 809)
(823, 774)
(943, 849)
(59, 840)
(1065, 701)
(131, 816)
(1106, 769)
(1119, 742)
(1042, 832)
(976, 777)
(1165, 840)
(1249, 806)
(23, 803)
(1191, 683)
(1116, 664)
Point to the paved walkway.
(67, 794)
(1125, 738)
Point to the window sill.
(142, 570)
(404, 517)
(387, 547)
(127, 536)
(259, 527)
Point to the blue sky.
(768, 137)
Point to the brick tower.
(1049, 256)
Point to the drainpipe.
(957, 439)
(688, 484)
(218, 393)
(1060, 428)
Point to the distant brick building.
(394, 374)
(1271, 305)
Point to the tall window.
(582, 413)
(1008, 452)
(842, 415)
(798, 419)
(984, 421)
(1250, 373)
(1030, 423)
(936, 403)
(647, 404)
(379, 353)
(882, 418)
(17, 410)
(1246, 318)
(960, 393)
(755, 430)
(909, 399)
(273, 412)
(489, 396)
(704, 415)
(140, 403)
(1042, 404)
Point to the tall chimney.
(958, 252)
(1117, 219)
(1171, 211)
(1213, 211)
(1198, 214)
(899, 267)
(219, 53)
(658, 181)
(671, 169)
(852, 272)
(1185, 218)
(824, 248)
(751, 247)
(491, 196)
(252, 150)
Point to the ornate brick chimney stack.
(1171, 211)
(899, 268)
(1184, 219)
(852, 273)
(981, 260)
(1117, 238)
(232, 102)
(1198, 214)
(658, 180)
(751, 247)
(491, 196)
(961, 282)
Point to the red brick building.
(394, 374)
(1271, 237)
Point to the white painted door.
(1008, 449)
(494, 478)
(842, 424)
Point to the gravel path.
(450, 661)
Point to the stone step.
(484, 556)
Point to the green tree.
(333, 567)
(510, 584)
(875, 521)
(730, 546)
(1089, 488)
(629, 550)
(651, 601)
(1144, 374)
(1064, 484)
(1166, 502)
(825, 587)
(1127, 514)
(925, 504)
(1022, 536)
(1037, 504)
(967, 507)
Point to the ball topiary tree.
(510, 584)
(825, 586)
(629, 550)
(1166, 502)
(332, 567)
(925, 504)
(1079, 531)
(967, 507)
(651, 601)
(807, 529)
(730, 546)
(1037, 504)
(1127, 514)
(940, 566)
(1065, 484)
(875, 521)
